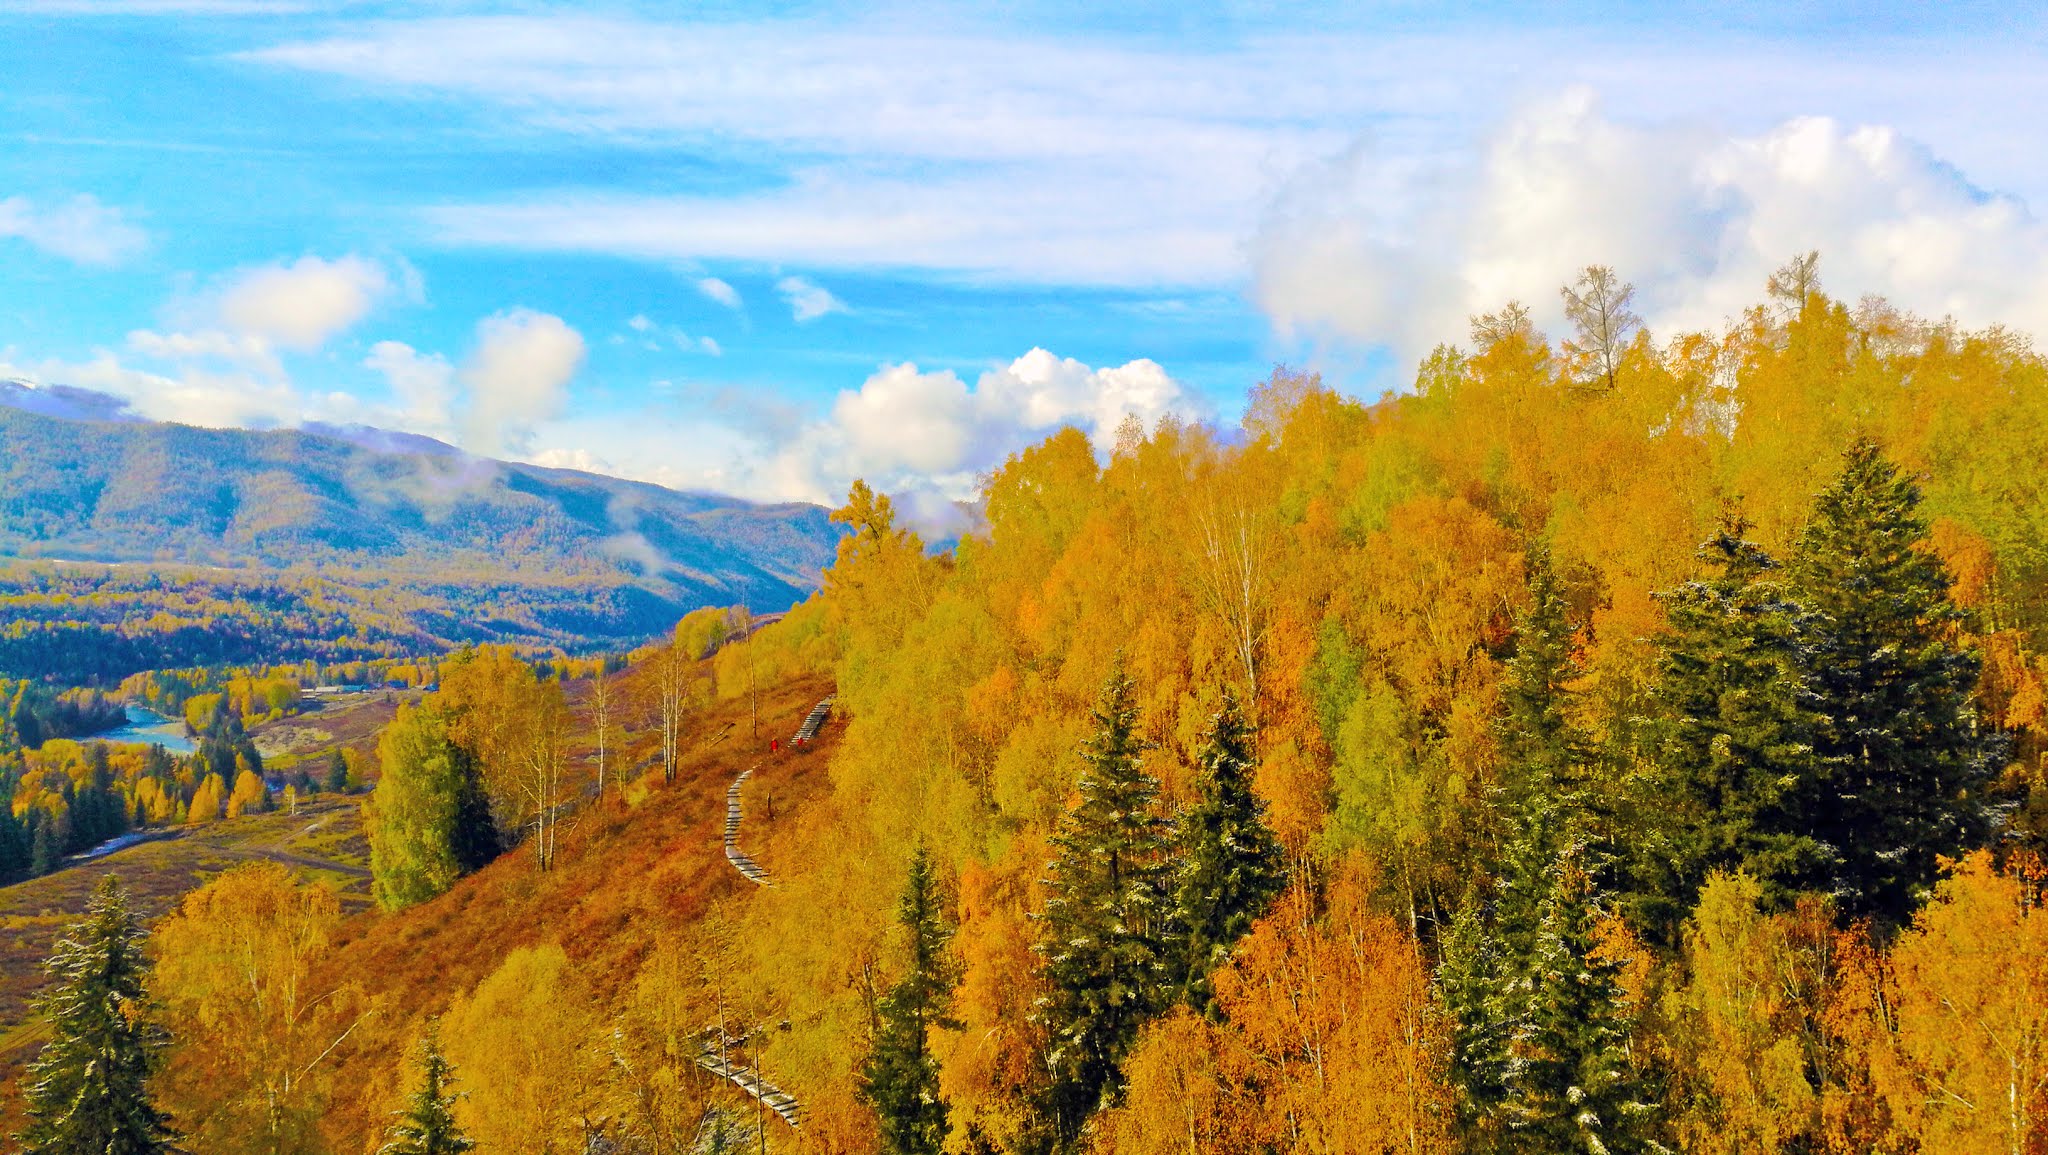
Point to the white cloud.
(302, 304)
(1371, 250)
(652, 333)
(808, 300)
(518, 375)
(423, 384)
(719, 291)
(81, 230)
(1011, 155)
(925, 437)
(1044, 391)
(929, 433)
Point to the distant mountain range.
(82, 479)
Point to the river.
(149, 728)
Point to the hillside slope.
(626, 879)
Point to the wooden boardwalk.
(748, 868)
(814, 720)
(741, 861)
(747, 1079)
(714, 1057)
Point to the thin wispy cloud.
(1049, 160)
(721, 292)
(808, 300)
(80, 229)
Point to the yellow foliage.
(207, 800)
(1972, 1015)
(251, 796)
(523, 1043)
(235, 974)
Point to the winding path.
(748, 868)
(747, 1079)
(713, 1056)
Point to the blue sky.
(765, 249)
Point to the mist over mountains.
(83, 479)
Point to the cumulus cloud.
(719, 291)
(301, 304)
(518, 375)
(930, 436)
(807, 299)
(81, 230)
(1372, 250)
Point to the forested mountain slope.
(441, 546)
(143, 491)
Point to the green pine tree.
(899, 1078)
(337, 773)
(1735, 779)
(1105, 932)
(427, 1125)
(472, 833)
(88, 1092)
(14, 841)
(1472, 980)
(1902, 762)
(1232, 867)
(1542, 752)
(1543, 796)
(1571, 1082)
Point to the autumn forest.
(1612, 741)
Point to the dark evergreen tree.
(1902, 762)
(427, 1125)
(46, 844)
(1542, 752)
(337, 773)
(1735, 779)
(899, 1078)
(28, 729)
(88, 1090)
(1571, 1081)
(1541, 800)
(14, 846)
(1472, 980)
(1104, 935)
(1232, 867)
(473, 833)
